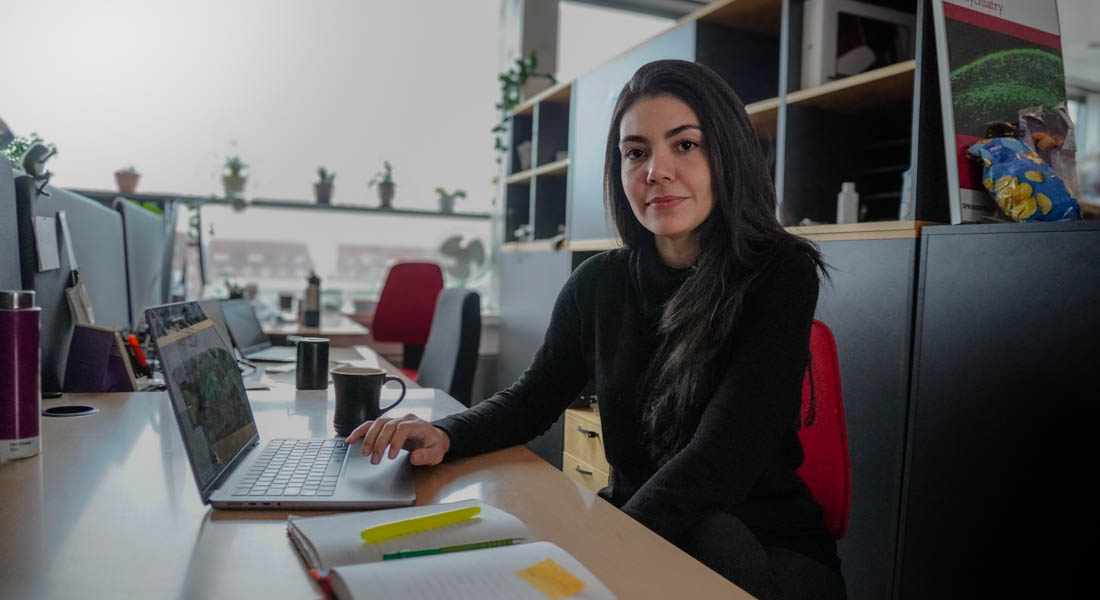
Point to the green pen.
(459, 548)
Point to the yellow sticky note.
(551, 579)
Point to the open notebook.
(523, 569)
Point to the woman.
(696, 334)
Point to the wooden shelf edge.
(852, 82)
(596, 245)
(555, 93)
(553, 168)
(547, 169)
(762, 106)
(741, 14)
(521, 177)
(535, 246)
(878, 230)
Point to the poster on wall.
(995, 58)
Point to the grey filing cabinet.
(532, 282)
(1002, 412)
(868, 305)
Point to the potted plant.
(233, 179)
(386, 186)
(127, 180)
(18, 148)
(511, 95)
(322, 190)
(447, 200)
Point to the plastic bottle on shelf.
(847, 204)
(312, 312)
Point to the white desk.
(109, 509)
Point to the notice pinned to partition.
(45, 237)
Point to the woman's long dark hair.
(738, 241)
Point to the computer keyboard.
(295, 468)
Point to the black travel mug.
(312, 372)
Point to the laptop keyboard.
(295, 468)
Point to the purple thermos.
(20, 402)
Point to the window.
(277, 248)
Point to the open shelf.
(107, 197)
(857, 93)
(555, 168)
(558, 94)
(878, 230)
(762, 16)
(764, 116)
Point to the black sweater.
(743, 455)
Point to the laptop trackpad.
(389, 479)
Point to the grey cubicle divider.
(146, 240)
(97, 242)
(9, 230)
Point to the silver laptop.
(240, 319)
(231, 466)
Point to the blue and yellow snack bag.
(1025, 187)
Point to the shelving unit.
(536, 193)
(859, 128)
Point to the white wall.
(167, 85)
(591, 35)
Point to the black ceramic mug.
(358, 396)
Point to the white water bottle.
(847, 203)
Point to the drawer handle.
(588, 432)
(581, 471)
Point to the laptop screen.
(243, 325)
(205, 387)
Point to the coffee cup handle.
(404, 389)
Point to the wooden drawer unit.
(583, 473)
(584, 438)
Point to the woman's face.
(664, 167)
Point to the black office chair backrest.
(450, 356)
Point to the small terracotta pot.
(127, 181)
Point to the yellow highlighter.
(381, 533)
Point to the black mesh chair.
(450, 355)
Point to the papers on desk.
(280, 368)
(502, 562)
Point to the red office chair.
(405, 308)
(826, 468)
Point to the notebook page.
(475, 575)
(336, 538)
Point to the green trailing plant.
(383, 176)
(17, 149)
(324, 176)
(511, 95)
